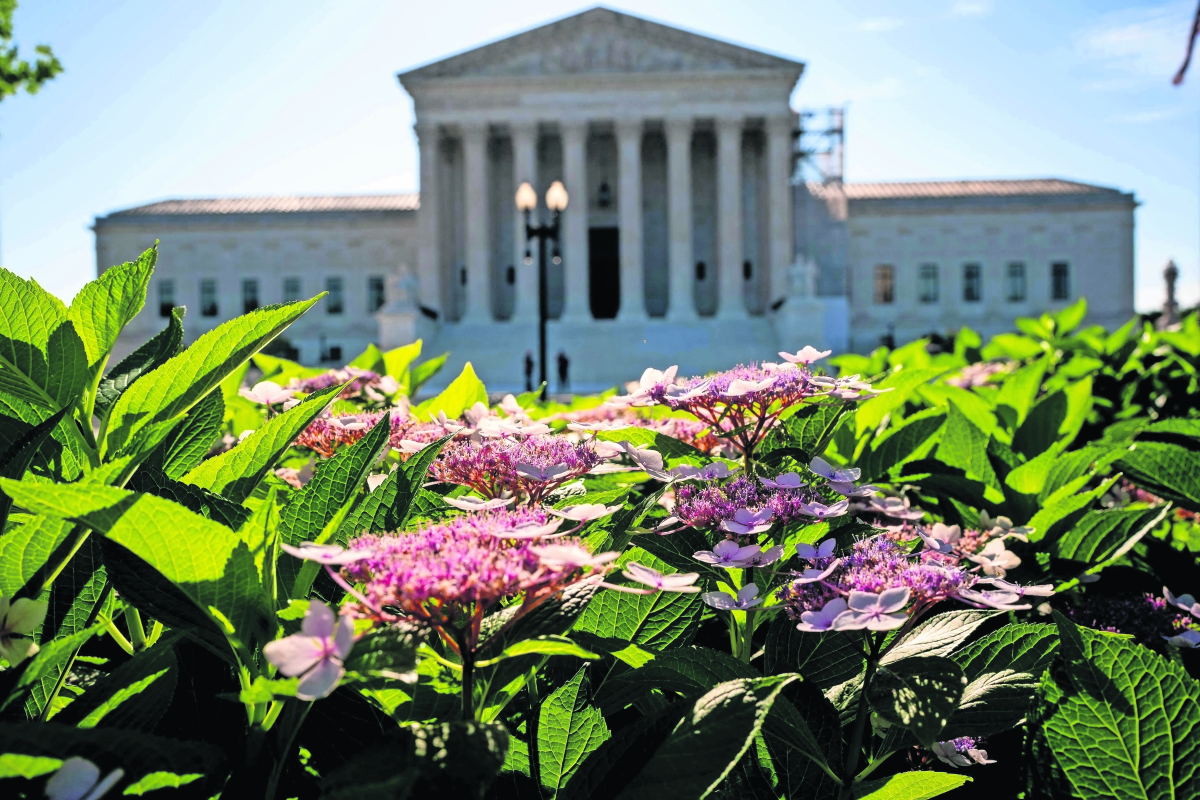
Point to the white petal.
(318, 620)
(25, 615)
(74, 779)
(320, 681)
(295, 654)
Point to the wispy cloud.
(1148, 116)
(1146, 43)
(880, 24)
(971, 8)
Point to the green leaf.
(1069, 318)
(1119, 721)
(390, 506)
(1060, 507)
(909, 786)
(135, 752)
(235, 473)
(42, 359)
(422, 372)
(904, 383)
(808, 430)
(964, 446)
(26, 548)
(1100, 532)
(59, 458)
(463, 392)
(50, 660)
(134, 695)
(157, 351)
(1019, 391)
(569, 729)
(388, 654)
(910, 440)
(104, 306)
(170, 390)
(207, 561)
(190, 441)
(918, 693)
(14, 765)
(17, 458)
(546, 646)
(281, 370)
(371, 358)
(1002, 671)
(709, 742)
(160, 780)
(1057, 417)
(971, 404)
(397, 361)
(688, 671)
(826, 660)
(939, 635)
(1169, 470)
(656, 621)
(193, 498)
(444, 760)
(75, 599)
(335, 483)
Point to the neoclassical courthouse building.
(689, 237)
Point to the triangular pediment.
(600, 41)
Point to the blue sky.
(196, 99)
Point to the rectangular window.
(208, 297)
(1016, 282)
(335, 303)
(1060, 280)
(166, 297)
(291, 290)
(375, 293)
(972, 283)
(885, 284)
(249, 295)
(929, 283)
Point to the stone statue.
(802, 277)
(1170, 314)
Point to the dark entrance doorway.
(604, 272)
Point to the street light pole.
(556, 201)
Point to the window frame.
(1065, 294)
(335, 301)
(251, 298)
(972, 286)
(288, 296)
(166, 297)
(883, 285)
(376, 300)
(207, 310)
(928, 276)
(1015, 271)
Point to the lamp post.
(556, 201)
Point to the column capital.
(627, 128)
(777, 126)
(573, 128)
(730, 124)
(679, 126)
(473, 130)
(523, 128)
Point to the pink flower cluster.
(363, 384)
(527, 467)
(746, 401)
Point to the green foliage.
(1116, 720)
(156, 543)
(17, 74)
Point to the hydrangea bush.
(226, 574)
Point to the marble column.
(730, 303)
(629, 195)
(779, 204)
(576, 307)
(429, 264)
(524, 141)
(682, 304)
(478, 289)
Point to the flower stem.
(860, 721)
(468, 677)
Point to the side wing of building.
(221, 258)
